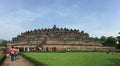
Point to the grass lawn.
(1, 58)
(76, 58)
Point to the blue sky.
(96, 17)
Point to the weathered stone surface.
(55, 36)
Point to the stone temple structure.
(61, 38)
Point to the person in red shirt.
(5, 51)
(12, 53)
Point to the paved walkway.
(19, 62)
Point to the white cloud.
(9, 31)
(99, 33)
(94, 32)
(19, 16)
(13, 23)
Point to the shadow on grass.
(114, 62)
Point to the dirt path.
(19, 62)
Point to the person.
(5, 51)
(47, 49)
(12, 53)
(28, 49)
(40, 49)
(68, 49)
(16, 53)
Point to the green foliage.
(118, 39)
(2, 57)
(103, 39)
(76, 58)
(4, 43)
(109, 41)
(96, 38)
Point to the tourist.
(47, 49)
(40, 49)
(16, 53)
(5, 51)
(55, 49)
(68, 49)
(12, 53)
(113, 51)
(28, 49)
(51, 49)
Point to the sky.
(95, 17)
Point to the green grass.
(2, 57)
(75, 59)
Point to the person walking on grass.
(12, 53)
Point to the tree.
(118, 39)
(4, 43)
(96, 38)
(111, 41)
(108, 41)
(103, 39)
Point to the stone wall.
(65, 47)
(82, 48)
